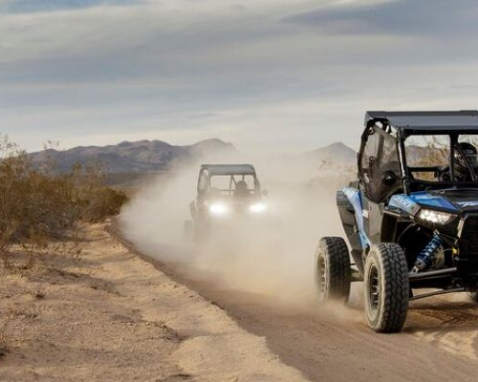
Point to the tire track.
(325, 347)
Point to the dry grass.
(38, 205)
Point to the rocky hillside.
(135, 157)
(336, 154)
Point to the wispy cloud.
(275, 73)
(30, 6)
(434, 18)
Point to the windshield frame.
(230, 191)
(454, 136)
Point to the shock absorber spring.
(425, 258)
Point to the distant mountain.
(134, 157)
(336, 154)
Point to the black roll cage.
(204, 172)
(382, 126)
(233, 181)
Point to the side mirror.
(265, 192)
(389, 178)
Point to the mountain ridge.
(336, 153)
(149, 156)
(136, 156)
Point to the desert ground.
(96, 309)
(439, 341)
(91, 310)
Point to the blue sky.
(266, 74)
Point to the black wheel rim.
(373, 289)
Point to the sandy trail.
(97, 312)
(439, 342)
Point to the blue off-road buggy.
(411, 218)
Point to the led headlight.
(218, 209)
(258, 208)
(435, 217)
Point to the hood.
(453, 200)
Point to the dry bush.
(95, 200)
(37, 204)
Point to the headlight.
(218, 209)
(435, 217)
(258, 208)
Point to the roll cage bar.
(401, 125)
(208, 171)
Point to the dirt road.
(334, 348)
(90, 310)
(439, 342)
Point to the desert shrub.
(93, 200)
(105, 202)
(38, 204)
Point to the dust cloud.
(271, 256)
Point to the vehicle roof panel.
(229, 169)
(423, 121)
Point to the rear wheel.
(332, 271)
(386, 288)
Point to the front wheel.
(386, 288)
(332, 272)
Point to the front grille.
(469, 238)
